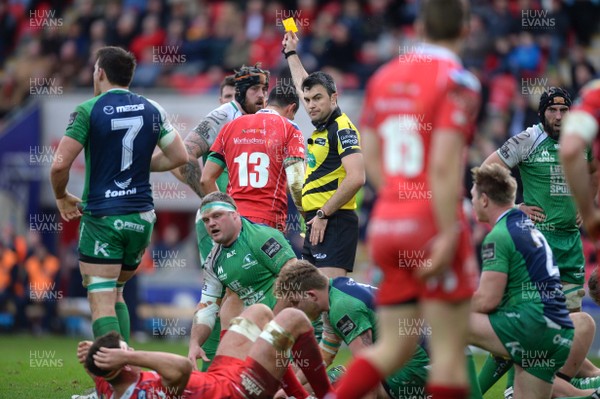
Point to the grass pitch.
(46, 367)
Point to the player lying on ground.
(246, 365)
(519, 308)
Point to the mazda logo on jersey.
(108, 110)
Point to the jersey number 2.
(133, 126)
(259, 177)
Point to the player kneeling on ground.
(519, 308)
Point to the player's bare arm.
(210, 174)
(67, 151)
(290, 43)
(489, 294)
(370, 148)
(445, 181)
(174, 370)
(577, 174)
(354, 166)
(174, 152)
(294, 169)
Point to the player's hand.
(195, 353)
(317, 230)
(290, 41)
(578, 220)
(111, 358)
(535, 213)
(82, 350)
(67, 206)
(441, 255)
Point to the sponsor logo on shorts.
(346, 325)
(271, 247)
(348, 138)
(319, 256)
(562, 341)
(121, 225)
(101, 248)
(251, 385)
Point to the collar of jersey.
(267, 111)
(505, 213)
(116, 89)
(334, 115)
(437, 51)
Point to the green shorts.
(205, 243)
(410, 380)
(568, 254)
(120, 239)
(539, 349)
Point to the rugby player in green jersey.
(519, 310)
(348, 311)
(548, 200)
(118, 131)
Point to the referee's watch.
(321, 214)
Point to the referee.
(335, 171)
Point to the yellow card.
(290, 25)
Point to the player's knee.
(294, 321)
(584, 323)
(95, 284)
(259, 314)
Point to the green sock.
(493, 369)
(475, 391)
(586, 382)
(510, 378)
(105, 324)
(124, 322)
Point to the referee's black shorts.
(338, 248)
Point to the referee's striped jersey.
(329, 143)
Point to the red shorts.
(230, 377)
(400, 246)
(268, 222)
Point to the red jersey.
(406, 101)
(149, 386)
(589, 103)
(227, 377)
(253, 148)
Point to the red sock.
(311, 363)
(361, 378)
(442, 392)
(292, 386)
(222, 334)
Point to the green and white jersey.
(544, 185)
(249, 266)
(515, 247)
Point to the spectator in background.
(525, 57)
(255, 20)
(151, 37)
(8, 32)
(124, 31)
(42, 275)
